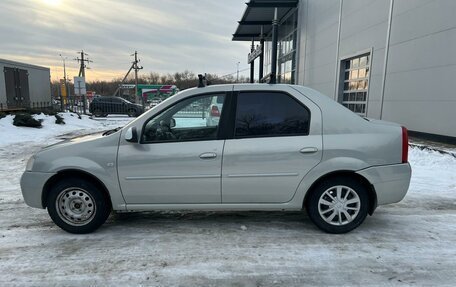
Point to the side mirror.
(131, 135)
(172, 123)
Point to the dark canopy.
(261, 13)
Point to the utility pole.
(136, 68)
(237, 75)
(82, 63)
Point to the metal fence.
(109, 106)
(82, 105)
(76, 104)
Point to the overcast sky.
(169, 35)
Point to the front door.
(272, 150)
(178, 159)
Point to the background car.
(272, 147)
(103, 106)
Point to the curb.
(428, 148)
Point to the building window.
(355, 83)
(286, 63)
(286, 50)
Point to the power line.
(234, 72)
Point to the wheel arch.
(74, 173)
(346, 173)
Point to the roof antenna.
(201, 81)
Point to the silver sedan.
(265, 147)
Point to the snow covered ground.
(409, 243)
(48, 133)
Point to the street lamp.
(65, 80)
(237, 76)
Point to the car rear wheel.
(338, 205)
(98, 113)
(77, 206)
(131, 113)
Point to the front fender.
(106, 174)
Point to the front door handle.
(308, 150)
(208, 155)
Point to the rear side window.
(265, 114)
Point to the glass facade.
(286, 62)
(286, 51)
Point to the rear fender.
(333, 165)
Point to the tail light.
(215, 111)
(404, 145)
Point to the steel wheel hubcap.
(339, 205)
(75, 206)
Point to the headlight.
(30, 163)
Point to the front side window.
(264, 114)
(196, 118)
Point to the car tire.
(338, 205)
(77, 205)
(98, 113)
(132, 113)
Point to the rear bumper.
(32, 184)
(391, 182)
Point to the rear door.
(277, 140)
(23, 88)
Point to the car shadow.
(196, 219)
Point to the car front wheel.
(77, 206)
(338, 205)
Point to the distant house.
(24, 86)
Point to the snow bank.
(432, 172)
(11, 134)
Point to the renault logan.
(268, 147)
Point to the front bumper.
(391, 182)
(32, 185)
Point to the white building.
(386, 59)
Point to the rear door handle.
(208, 155)
(308, 150)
